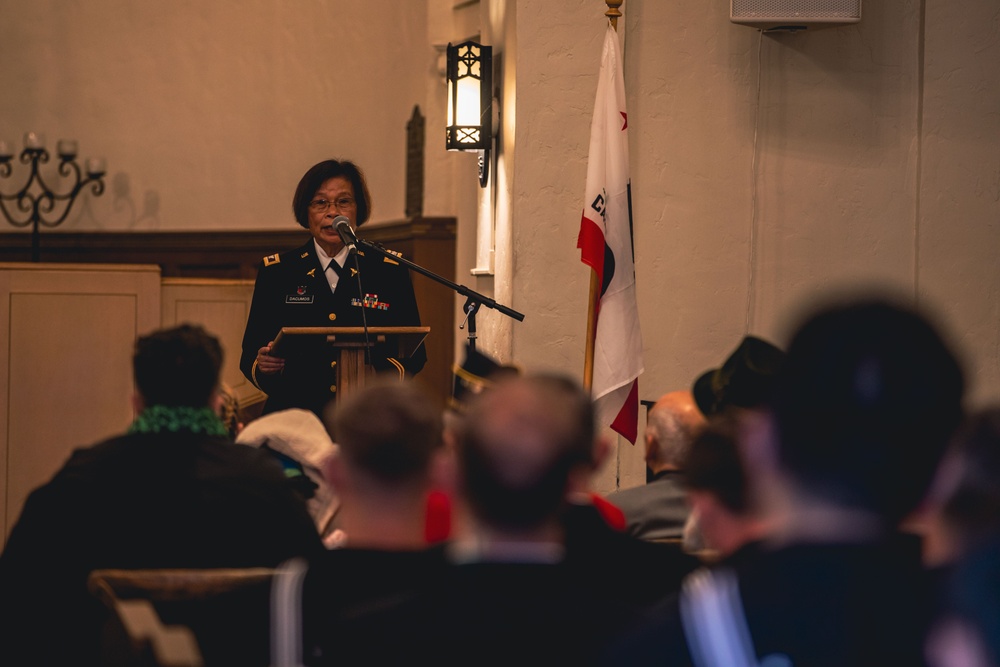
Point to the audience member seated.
(300, 443)
(860, 417)
(962, 545)
(477, 373)
(967, 630)
(658, 509)
(508, 594)
(963, 508)
(174, 492)
(738, 390)
(744, 381)
(724, 523)
(480, 372)
(389, 458)
(597, 544)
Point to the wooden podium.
(350, 343)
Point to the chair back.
(185, 617)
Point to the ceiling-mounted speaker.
(794, 14)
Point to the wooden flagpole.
(595, 288)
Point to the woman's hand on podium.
(266, 363)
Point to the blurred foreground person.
(740, 389)
(173, 492)
(389, 458)
(963, 546)
(728, 525)
(509, 594)
(862, 410)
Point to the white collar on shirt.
(324, 261)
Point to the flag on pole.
(605, 242)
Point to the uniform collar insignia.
(311, 273)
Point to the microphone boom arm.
(473, 298)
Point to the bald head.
(673, 423)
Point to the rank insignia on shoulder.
(392, 252)
(272, 259)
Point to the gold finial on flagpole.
(613, 12)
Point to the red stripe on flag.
(591, 245)
(627, 422)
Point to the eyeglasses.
(323, 205)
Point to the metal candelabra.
(35, 203)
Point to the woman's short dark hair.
(319, 174)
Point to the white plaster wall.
(870, 162)
(958, 207)
(208, 113)
(729, 242)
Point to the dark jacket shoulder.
(291, 257)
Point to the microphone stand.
(473, 299)
(361, 294)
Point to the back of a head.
(673, 422)
(388, 431)
(866, 402)
(713, 465)
(518, 445)
(177, 367)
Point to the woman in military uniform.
(317, 285)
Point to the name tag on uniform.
(300, 296)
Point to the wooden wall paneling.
(427, 241)
(179, 254)
(221, 307)
(66, 339)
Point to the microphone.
(347, 236)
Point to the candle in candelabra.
(66, 149)
(33, 140)
(95, 167)
(6, 152)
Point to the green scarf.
(178, 419)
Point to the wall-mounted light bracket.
(470, 100)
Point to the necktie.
(334, 278)
(337, 268)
